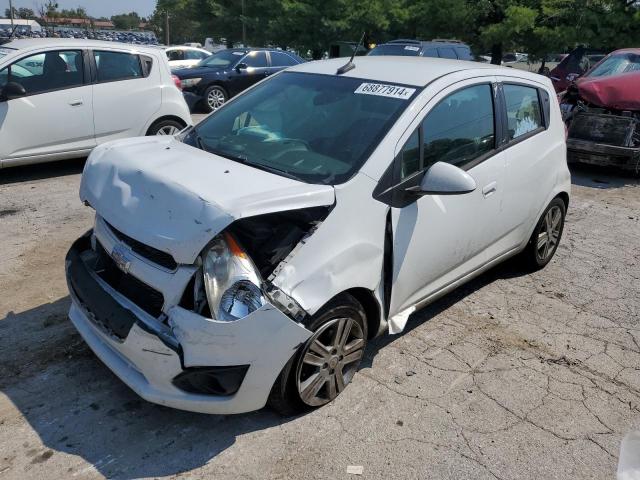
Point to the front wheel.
(327, 362)
(214, 97)
(546, 236)
(165, 127)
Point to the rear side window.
(279, 59)
(430, 52)
(460, 128)
(523, 110)
(447, 52)
(47, 71)
(464, 53)
(114, 66)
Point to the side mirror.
(241, 66)
(12, 90)
(444, 179)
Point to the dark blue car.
(225, 74)
(454, 49)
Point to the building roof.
(415, 71)
(35, 26)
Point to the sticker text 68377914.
(382, 90)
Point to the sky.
(95, 8)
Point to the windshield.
(402, 50)
(4, 52)
(617, 64)
(223, 59)
(314, 128)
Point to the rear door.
(279, 61)
(531, 153)
(55, 117)
(438, 239)
(126, 93)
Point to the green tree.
(126, 21)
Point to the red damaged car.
(602, 112)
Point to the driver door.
(55, 117)
(438, 239)
(257, 69)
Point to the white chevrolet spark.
(250, 259)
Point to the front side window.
(523, 110)
(460, 128)
(279, 59)
(315, 128)
(43, 72)
(117, 66)
(256, 59)
(223, 59)
(194, 55)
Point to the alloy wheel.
(168, 130)
(549, 233)
(215, 98)
(329, 361)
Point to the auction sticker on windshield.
(383, 90)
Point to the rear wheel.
(546, 237)
(327, 362)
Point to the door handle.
(76, 103)
(489, 189)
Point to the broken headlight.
(232, 284)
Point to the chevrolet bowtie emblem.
(121, 257)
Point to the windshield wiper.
(260, 166)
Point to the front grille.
(608, 129)
(152, 254)
(144, 296)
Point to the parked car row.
(76, 94)
(141, 38)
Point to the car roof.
(185, 47)
(414, 71)
(26, 44)
(626, 50)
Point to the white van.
(252, 257)
(59, 98)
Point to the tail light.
(177, 81)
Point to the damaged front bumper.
(180, 359)
(604, 139)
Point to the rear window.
(447, 52)
(401, 50)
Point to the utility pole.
(244, 27)
(166, 28)
(11, 10)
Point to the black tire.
(285, 397)
(534, 257)
(207, 99)
(165, 127)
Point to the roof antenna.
(350, 65)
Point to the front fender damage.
(265, 339)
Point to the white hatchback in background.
(184, 56)
(253, 256)
(59, 98)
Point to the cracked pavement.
(510, 377)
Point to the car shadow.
(78, 407)
(594, 176)
(502, 271)
(41, 171)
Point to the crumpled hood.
(619, 92)
(176, 198)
